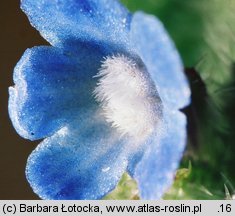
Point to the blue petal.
(156, 171)
(50, 87)
(84, 160)
(135, 159)
(161, 58)
(64, 22)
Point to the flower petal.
(155, 172)
(84, 160)
(161, 58)
(50, 87)
(63, 22)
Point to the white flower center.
(128, 98)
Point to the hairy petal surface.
(161, 58)
(155, 172)
(84, 160)
(64, 22)
(50, 88)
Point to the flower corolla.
(105, 97)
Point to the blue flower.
(105, 97)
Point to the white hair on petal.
(128, 99)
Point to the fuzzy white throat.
(128, 98)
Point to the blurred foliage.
(185, 188)
(126, 189)
(204, 33)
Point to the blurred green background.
(204, 33)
